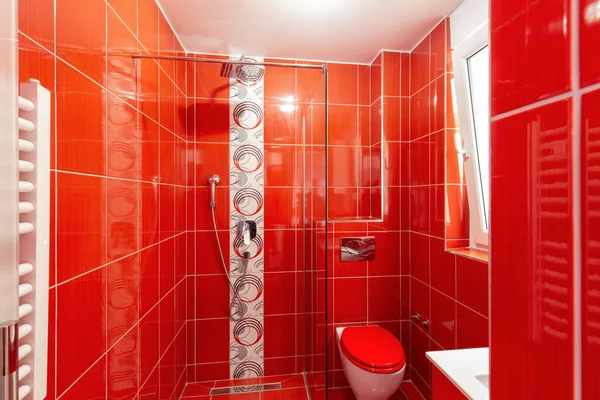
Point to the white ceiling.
(329, 30)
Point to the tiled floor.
(292, 388)
(407, 391)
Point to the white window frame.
(479, 233)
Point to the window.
(471, 60)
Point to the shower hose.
(235, 316)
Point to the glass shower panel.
(266, 141)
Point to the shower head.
(213, 180)
(246, 73)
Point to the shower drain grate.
(245, 389)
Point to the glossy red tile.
(472, 328)
(391, 163)
(310, 84)
(204, 219)
(212, 340)
(419, 256)
(343, 122)
(419, 114)
(212, 296)
(420, 209)
(281, 83)
(123, 283)
(147, 99)
(81, 224)
(36, 20)
(122, 378)
(167, 266)
(391, 118)
(127, 10)
(516, 177)
(343, 162)
(443, 388)
(390, 213)
(120, 44)
(279, 123)
(437, 210)
(420, 344)
(384, 298)
(166, 198)
(343, 83)
(391, 73)
(122, 218)
(209, 160)
(81, 36)
(209, 83)
(166, 100)
(590, 125)
(437, 104)
(538, 35)
(282, 342)
(91, 385)
(588, 37)
(443, 320)
(364, 126)
(280, 208)
(149, 279)
(280, 164)
(80, 103)
(122, 137)
(148, 12)
(350, 300)
(387, 255)
(376, 73)
(437, 61)
(364, 85)
(419, 66)
(87, 314)
(212, 120)
(281, 287)
(472, 284)
(405, 74)
(376, 122)
(166, 309)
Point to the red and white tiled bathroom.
(283, 199)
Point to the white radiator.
(34, 240)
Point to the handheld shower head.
(213, 180)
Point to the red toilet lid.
(373, 348)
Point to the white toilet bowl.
(373, 361)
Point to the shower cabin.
(250, 191)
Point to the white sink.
(467, 369)
(484, 379)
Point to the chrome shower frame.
(325, 68)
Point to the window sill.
(470, 252)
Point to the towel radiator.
(24, 352)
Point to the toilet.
(373, 361)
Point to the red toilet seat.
(372, 349)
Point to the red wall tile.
(590, 125)
(530, 33)
(437, 211)
(517, 269)
(100, 219)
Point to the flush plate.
(358, 248)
